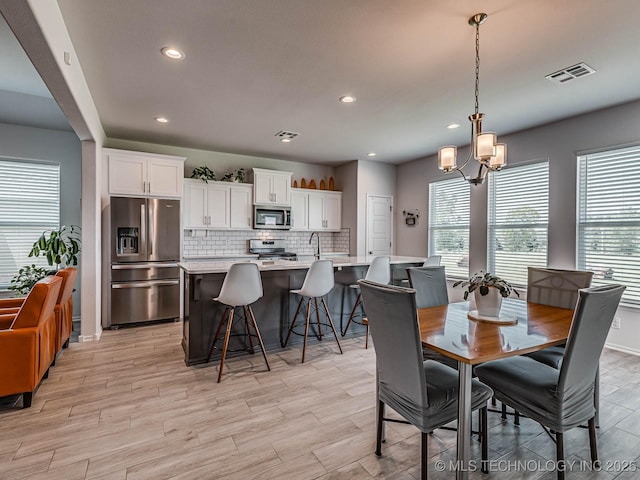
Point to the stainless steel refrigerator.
(141, 255)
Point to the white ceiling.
(254, 67)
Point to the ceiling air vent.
(285, 136)
(570, 73)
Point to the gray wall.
(560, 142)
(57, 146)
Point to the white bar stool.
(380, 272)
(242, 286)
(318, 282)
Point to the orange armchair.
(28, 344)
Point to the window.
(29, 204)
(449, 224)
(518, 221)
(609, 218)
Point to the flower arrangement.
(481, 281)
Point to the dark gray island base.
(274, 311)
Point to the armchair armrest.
(19, 360)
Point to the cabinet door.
(241, 207)
(281, 189)
(333, 212)
(218, 206)
(316, 211)
(164, 177)
(127, 175)
(262, 188)
(299, 210)
(194, 209)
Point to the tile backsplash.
(210, 243)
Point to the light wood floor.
(128, 408)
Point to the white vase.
(488, 305)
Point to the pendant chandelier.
(483, 146)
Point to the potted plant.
(236, 176)
(204, 173)
(489, 290)
(61, 247)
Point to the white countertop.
(209, 266)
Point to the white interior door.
(379, 228)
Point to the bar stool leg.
(306, 329)
(255, 327)
(293, 324)
(226, 342)
(215, 337)
(366, 339)
(318, 319)
(335, 334)
(246, 322)
(353, 313)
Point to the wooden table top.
(448, 330)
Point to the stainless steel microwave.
(272, 218)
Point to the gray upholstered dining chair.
(423, 392)
(557, 288)
(560, 399)
(430, 284)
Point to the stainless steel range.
(271, 249)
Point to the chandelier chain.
(477, 91)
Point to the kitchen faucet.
(317, 255)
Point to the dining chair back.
(556, 288)
(432, 261)
(430, 284)
(380, 270)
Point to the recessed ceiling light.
(453, 125)
(172, 53)
(285, 140)
(162, 120)
(347, 99)
(371, 154)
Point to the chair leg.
(379, 428)
(353, 313)
(504, 412)
(306, 330)
(215, 337)
(425, 455)
(246, 322)
(66, 344)
(255, 327)
(226, 342)
(366, 338)
(293, 323)
(318, 319)
(27, 397)
(516, 417)
(335, 334)
(596, 398)
(560, 455)
(484, 432)
(593, 445)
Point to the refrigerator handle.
(143, 227)
(151, 238)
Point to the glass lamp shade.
(499, 160)
(447, 158)
(485, 145)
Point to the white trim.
(90, 338)
(623, 349)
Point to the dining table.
(522, 327)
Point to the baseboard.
(90, 338)
(620, 348)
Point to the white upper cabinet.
(324, 210)
(271, 187)
(299, 209)
(241, 207)
(144, 174)
(217, 205)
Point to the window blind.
(518, 221)
(29, 204)
(449, 224)
(609, 218)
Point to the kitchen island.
(274, 311)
